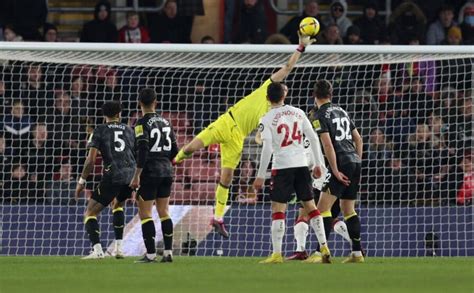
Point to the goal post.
(412, 105)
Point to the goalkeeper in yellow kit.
(230, 130)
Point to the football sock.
(327, 219)
(316, 222)
(341, 229)
(167, 229)
(278, 231)
(148, 232)
(353, 227)
(301, 232)
(118, 219)
(222, 194)
(92, 228)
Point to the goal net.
(412, 105)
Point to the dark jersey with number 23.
(334, 120)
(157, 134)
(115, 141)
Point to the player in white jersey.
(301, 224)
(282, 130)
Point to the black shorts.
(160, 187)
(106, 192)
(285, 182)
(335, 187)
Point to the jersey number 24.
(295, 134)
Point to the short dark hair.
(132, 13)
(111, 109)
(147, 96)
(322, 89)
(275, 91)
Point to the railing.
(124, 9)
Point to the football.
(309, 26)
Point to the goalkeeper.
(230, 130)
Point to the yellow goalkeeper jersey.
(248, 111)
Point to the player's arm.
(332, 159)
(283, 72)
(86, 170)
(265, 156)
(359, 144)
(141, 140)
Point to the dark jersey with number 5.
(115, 141)
(334, 120)
(157, 133)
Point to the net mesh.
(414, 112)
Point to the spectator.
(133, 32)
(364, 111)
(16, 187)
(438, 129)
(394, 182)
(27, 16)
(277, 39)
(207, 40)
(466, 191)
(311, 9)
(331, 36)
(461, 120)
(101, 28)
(338, 11)
(466, 20)
(80, 95)
(378, 150)
(252, 24)
(372, 27)
(50, 33)
(17, 127)
(416, 101)
(63, 187)
(5, 163)
(453, 37)
(39, 158)
(407, 21)
(10, 34)
(169, 26)
(353, 36)
(437, 30)
(40, 99)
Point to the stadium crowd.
(418, 135)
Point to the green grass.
(224, 275)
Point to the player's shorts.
(106, 192)
(159, 188)
(285, 182)
(225, 132)
(336, 188)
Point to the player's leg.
(277, 231)
(118, 220)
(339, 226)
(102, 197)
(162, 207)
(231, 152)
(92, 228)
(300, 231)
(353, 227)
(146, 198)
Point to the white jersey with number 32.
(284, 127)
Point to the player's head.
(322, 90)
(147, 98)
(276, 92)
(112, 109)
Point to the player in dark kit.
(342, 146)
(115, 142)
(155, 147)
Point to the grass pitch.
(224, 275)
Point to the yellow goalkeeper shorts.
(225, 132)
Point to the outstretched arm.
(283, 72)
(88, 167)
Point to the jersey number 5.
(156, 132)
(295, 135)
(120, 141)
(343, 127)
